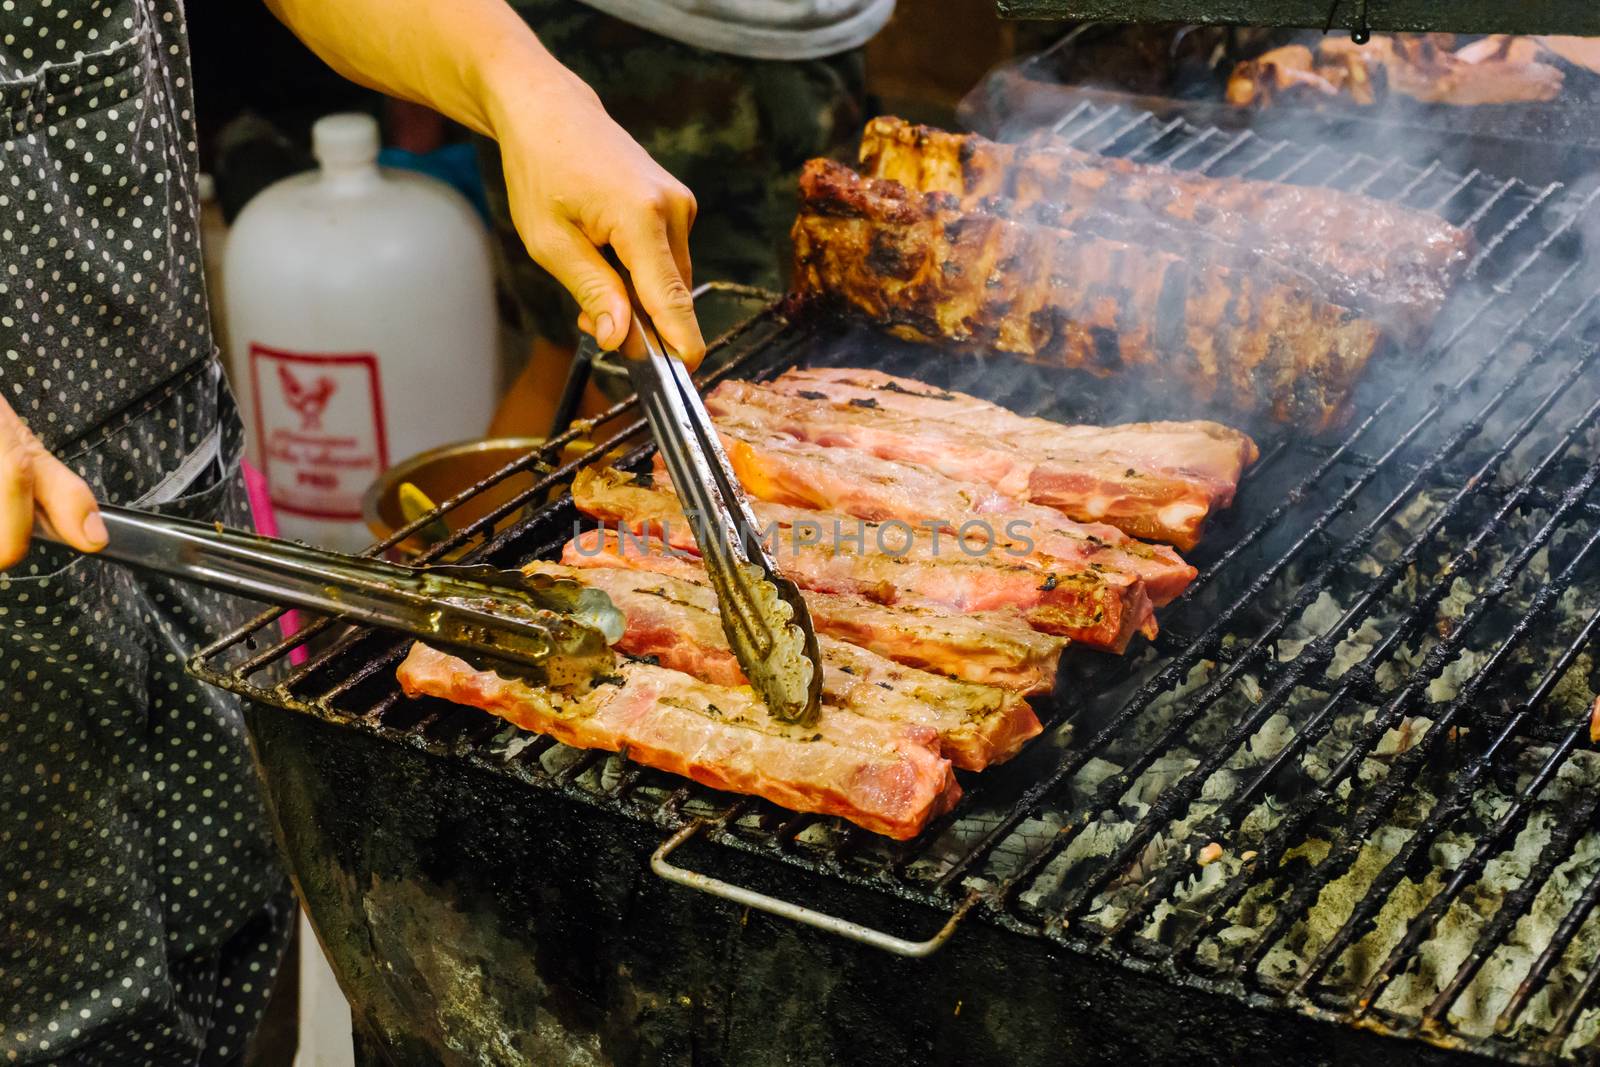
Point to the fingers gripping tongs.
(539, 629)
(763, 616)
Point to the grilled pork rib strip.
(1392, 262)
(884, 776)
(1163, 505)
(785, 470)
(896, 564)
(996, 648)
(1059, 298)
(1211, 455)
(676, 621)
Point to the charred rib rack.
(1386, 260)
(1373, 700)
(1249, 342)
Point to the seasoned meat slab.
(1086, 481)
(928, 270)
(835, 553)
(784, 470)
(885, 776)
(676, 621)
(1384, 259)
(995, 648)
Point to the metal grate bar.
(1570, 923)
(1155, 138)
(1422, 176)
(1370, 180)
(1188, 146)
(1559, 941)
(1212, 636)
(1321, 648)
(1352, 835)
(1515, 904)
(1266, 157)
(1450, 806)
(1069, 118)
(1087, 128)
(1574, 1007)
(1238, 142)
(1122, 131)
(1182, 793)
(1515, 224)
(1300, 164)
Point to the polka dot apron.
(142, 911)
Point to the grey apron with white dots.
(142, 911)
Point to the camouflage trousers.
(735, 131)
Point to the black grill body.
(1373, 702)
(472, 920)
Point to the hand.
(577, 182)
(32, 481)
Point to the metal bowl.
(441, 473)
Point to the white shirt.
(758, 29)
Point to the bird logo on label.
(308, 402)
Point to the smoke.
(1494, 394)
(1502, 173)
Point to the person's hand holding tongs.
(763, 615)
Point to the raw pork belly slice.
(784, 470)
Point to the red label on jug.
(320, 422)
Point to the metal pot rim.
(404, 471)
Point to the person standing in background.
(143, 911)
(731, 97)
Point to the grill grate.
(1373, 697)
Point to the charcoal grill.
(1373, 699)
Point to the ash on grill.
(1352, 777)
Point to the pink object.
(255, 487)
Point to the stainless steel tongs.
(763, 615)
(539, 629)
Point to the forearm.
(460, 57)
(575, 180)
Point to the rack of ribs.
(884, 775)
(674, 618)
(1391, 262)
(930, 270)
(892, 564)
(1152, 480)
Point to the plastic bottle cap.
(346, 140)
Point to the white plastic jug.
(361, 323)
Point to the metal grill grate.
(1374, 698)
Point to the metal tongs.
(536, 628)
(763, 615)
